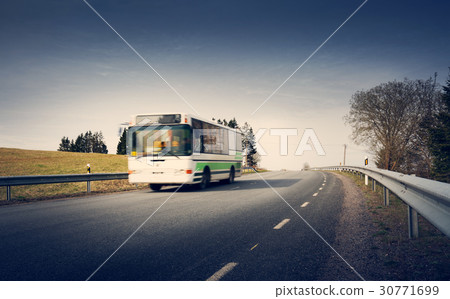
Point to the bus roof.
(183, 114)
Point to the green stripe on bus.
(217, 165)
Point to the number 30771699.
(409, 290)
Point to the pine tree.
(64, 146)
(80, 144)
(440, 139)
(233, 123)
(85, 143)
(98, 145)
(122, 145)
(89, 142)
(249, 145)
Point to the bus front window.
(174, 140)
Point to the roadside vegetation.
(424, 258)
(246, 170)
(14, 162)
(406, 124)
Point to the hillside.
(32, 162)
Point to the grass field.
(30, 162)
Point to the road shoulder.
(354, 239)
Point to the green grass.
(15, 162)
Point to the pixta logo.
(308, 142)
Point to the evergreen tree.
(88, 142)
(233, 123)
(440, 139)
(85, 143)
(72, 146)
(122, 145)
(98, 145)
(249, 145)
(80, 144)
(64, 146)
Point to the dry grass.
(249, 170)
(30, 162)
(425, 258)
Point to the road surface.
(241, 231)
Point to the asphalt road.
(225, 232)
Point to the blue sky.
(64, 71)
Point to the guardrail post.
(366, 179)
(413, 223)
(8, 193)
(386, 196)
(374, 185)
(88, 186)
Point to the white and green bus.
(179, 148)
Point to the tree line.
(85, 143)
(406, 124)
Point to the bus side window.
(202, 143)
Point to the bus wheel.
(230, 179)
(155, 187)
(206, 178)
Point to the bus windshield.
(160, 140)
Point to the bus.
(178, 148)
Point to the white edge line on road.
(222, 272)
(305, 204)
(315, 194)
(281, 224)
(235, 188)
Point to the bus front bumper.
(161, 177)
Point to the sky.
(64, 71)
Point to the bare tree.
(389, 119)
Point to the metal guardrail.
(9, 181)
(429, 198)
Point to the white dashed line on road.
(281, 224)
(315, 194)
(320, 188)
(305, 204)
(222, 272)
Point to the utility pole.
(345, 149)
